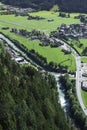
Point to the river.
(61, 94)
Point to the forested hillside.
(28, 99)
(73, 5)
(64, 5)
(36, 4)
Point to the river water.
(61, 94)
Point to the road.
(78, 76)
(78, 83)
(78, 71)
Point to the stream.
(61, 94)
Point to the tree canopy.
(69, 5)
(28, 98)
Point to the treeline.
(36, 4)
(28, 99)
(74, 108)
(73, 5)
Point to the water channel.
(61, 94)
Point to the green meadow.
(84, 59)
(84, 42)
(52, 54)
(42, 25)
(76, 44)
(20, 22)
(84, 97)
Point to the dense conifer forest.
(64, 5)
(73, 5)
(28, 99)
(36, 4)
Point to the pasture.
(42, 25)
(76, 44)
(20, 22)
(84, 97)
(84, 59)
(52, 54)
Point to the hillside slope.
(36, 4)
(73, 5)
(28, 100)
(69, 5)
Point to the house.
(19, 59)
(84, 85)
(73, 31)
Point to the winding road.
(78, 66)
(78, 83)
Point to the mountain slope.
(69, 5)
(72, 5)
(28, 99)
(37, 4)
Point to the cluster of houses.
(73, 31)
(53, 42)
(84, 76)
(37, 35)
(15, 56)
(17, 11)
(11, 9)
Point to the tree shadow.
(64, 61)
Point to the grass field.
(52, 54)
(84, 60)
(84, 97)
(76, 44)
(44, 25)
(84, 42)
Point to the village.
(45, 40)
(84, 76)
(16, 10)
(73, 31)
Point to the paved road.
(78, 83)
